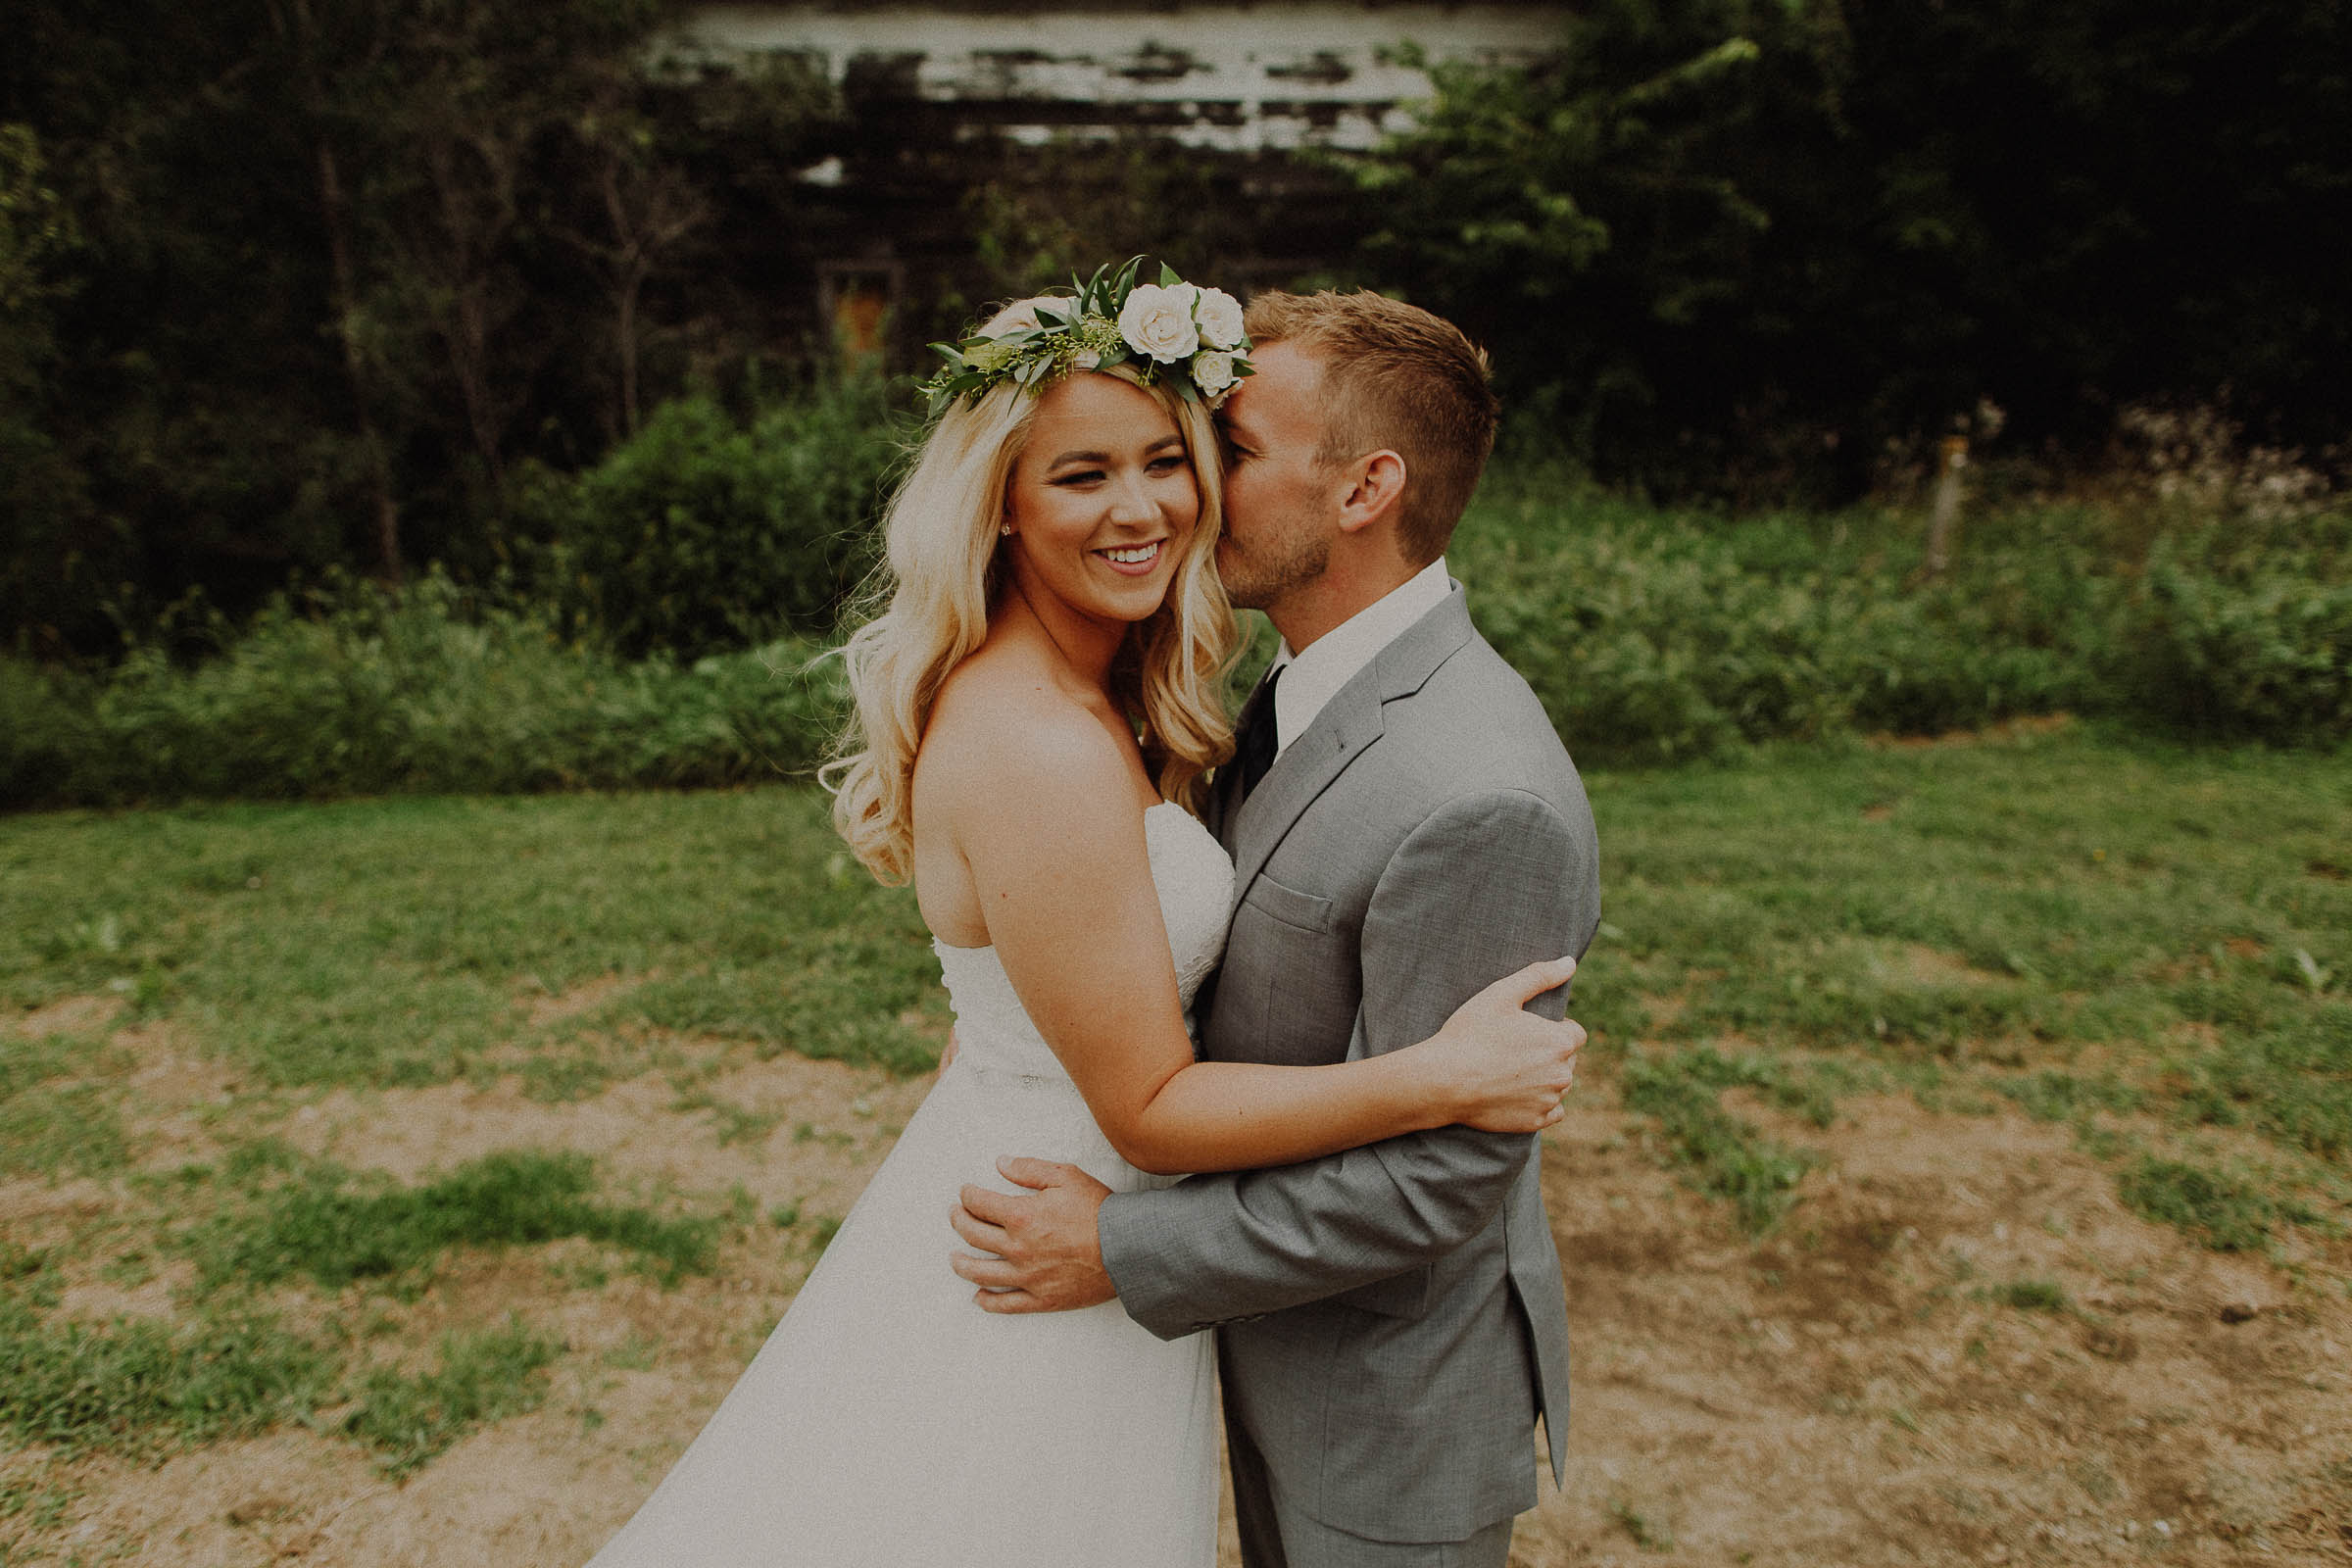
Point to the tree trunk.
(465, 315)
(650, 211)
(379, 464)
(334, 213)
(627, 328)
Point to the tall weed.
(2257, 649)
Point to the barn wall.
(946, 97)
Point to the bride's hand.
(1503, 1068)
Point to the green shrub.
(2263, 652)
(358, 689)
(1653, 635)
(704, 533)
(1649, 636)
(47, 743)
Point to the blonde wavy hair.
(943, 573)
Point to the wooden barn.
(985, 142)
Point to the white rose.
(1220, 317)
(1086, 358)
(1212, 372)
(1157, 322)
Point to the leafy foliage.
(39, 483)
(1655, 635)
(2259, 650)
(364, 690)
(1739, 245)
(453, 236)
(1652, 635)
(704, 533)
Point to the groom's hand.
(1049, 1258)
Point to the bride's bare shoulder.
(1007, 727)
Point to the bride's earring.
(1004, 528)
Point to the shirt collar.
(1311, 678)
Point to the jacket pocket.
(1292, 907)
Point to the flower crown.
(1189, 338)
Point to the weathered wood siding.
(1236, 78)
(947, 96)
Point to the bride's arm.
(1058, 858)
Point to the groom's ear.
(1376, 493)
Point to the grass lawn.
(403, 941)
(2081, 926)
(2151, 947)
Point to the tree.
(298, 33)
(340, 268)
(39, 487)
(1742, 244)
(648, 204)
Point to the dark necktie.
(1254, 748)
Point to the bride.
(1038, 708)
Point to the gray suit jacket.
(1391, 1319)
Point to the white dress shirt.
(1312, 679)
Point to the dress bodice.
(1194, 878)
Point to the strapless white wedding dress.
(889, 1421)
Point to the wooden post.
(1951, 456)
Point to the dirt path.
(1960, 1349)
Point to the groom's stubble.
(1260, 575)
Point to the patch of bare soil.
(821, 1128)
(1862, 1388)
(2025, 726)
(70, 1015)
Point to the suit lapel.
(1348, 727)
(1304, 769)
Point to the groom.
(1406, 828)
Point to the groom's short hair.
(1394, 376)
